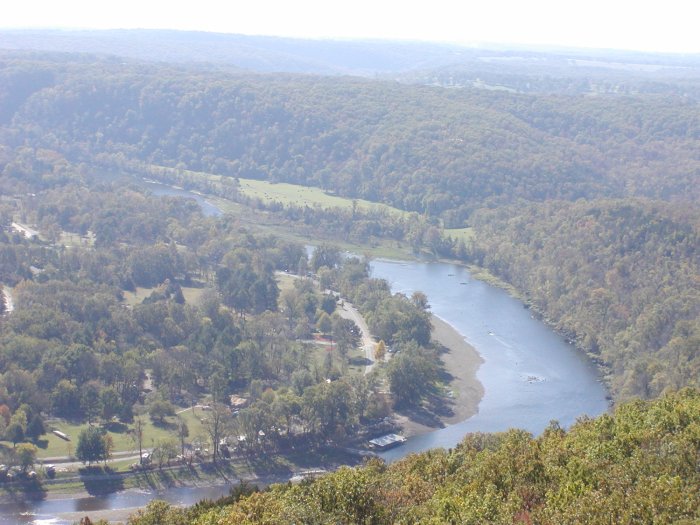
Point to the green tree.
(26, 455)
(91, 445)
(35, 427)
(90, 401)
(183, 432)
(325, 255)
(110, 402)
(14, 433)
(412, 374)
(324, 323)
(65, 399)
(159, 409)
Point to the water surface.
(530, 374)
(158, 189)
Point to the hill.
(588, 204)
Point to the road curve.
(348, 311)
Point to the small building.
(388, 441)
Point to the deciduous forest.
(578, 189)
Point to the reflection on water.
(47, 512)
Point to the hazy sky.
(654, 25)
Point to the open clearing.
(295, 195)
(51, 446)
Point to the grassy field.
(192, 295)
(464, 234)
(286, 194)
(51, 445)
(285, 282)
(296, 195)
(70, 240)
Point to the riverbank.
(461, 362)
(122, 494)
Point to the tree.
(324, 323)
(420, 300)
(325, 255)
(65, 399)
(26, 455)
(90, 402)
(35, 427)
(14, 433)
(164, 451)
(183, 432)
(159, 409)
(137, 435)
(328, 303)
(110, 402)
(346, 334)
(91, 445)
(411, 375)
(380, 351)
(215, 424)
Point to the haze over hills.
(523, 69)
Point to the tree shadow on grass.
(429, 413)
(421, 415)
(263, 464)
(164, 424)
(100, 480)
(42, 443)
(116, 427)
(359, 361)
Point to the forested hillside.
(587, 204)
(638, 465)
(618, 276)
(431, 150)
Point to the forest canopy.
(608, 184)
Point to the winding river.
(530, 375)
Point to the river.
(159, 189)
(530, 375)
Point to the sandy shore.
(461, 362)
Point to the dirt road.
(348, 311)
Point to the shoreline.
(461, 361)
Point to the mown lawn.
(464, 234)
(51, 445)
(307, 196)
(192, 295)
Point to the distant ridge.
(333, 57)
